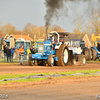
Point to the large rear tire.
(62, 54)
(90, 54)
(86, 53)
(51, 60)
(94, 53)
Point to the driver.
(98, 46)
(52, 39)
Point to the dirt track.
(81, 88)
(32, 69)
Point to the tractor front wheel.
(51, 60)
(82, 59)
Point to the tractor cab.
(56, 37)
(76, 45)
(26, 44)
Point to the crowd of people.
(9, 53)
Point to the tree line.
(29, 29)
(92, 26)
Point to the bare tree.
(94, 21)
(8, 29)
(79, 24)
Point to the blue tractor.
(11, 42)
(93, 53)
(26, 45)
(54, 51)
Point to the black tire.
(51, 60)
(30, 60)
(82, 59)
(86, 53)
(94, 53)
(90, 54)
(60, 55)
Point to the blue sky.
(20, 12)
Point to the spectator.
(21, 54)
(12, 53)
(32, 50)
(8, 54)
(35, 50)
(5, 52)
(98, 46)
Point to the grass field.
(6, 76)
(9, 63)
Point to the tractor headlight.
(43, 53)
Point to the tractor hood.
(39, 56)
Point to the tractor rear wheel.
(62, 54)
(86, 53)
(94, 53)
(31, 62)
(90, 54)
(51, 60)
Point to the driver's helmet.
(50, 35)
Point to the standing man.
(21, 54)
(5, 53)
(12, 53)
(8, 54)
(98, 46)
